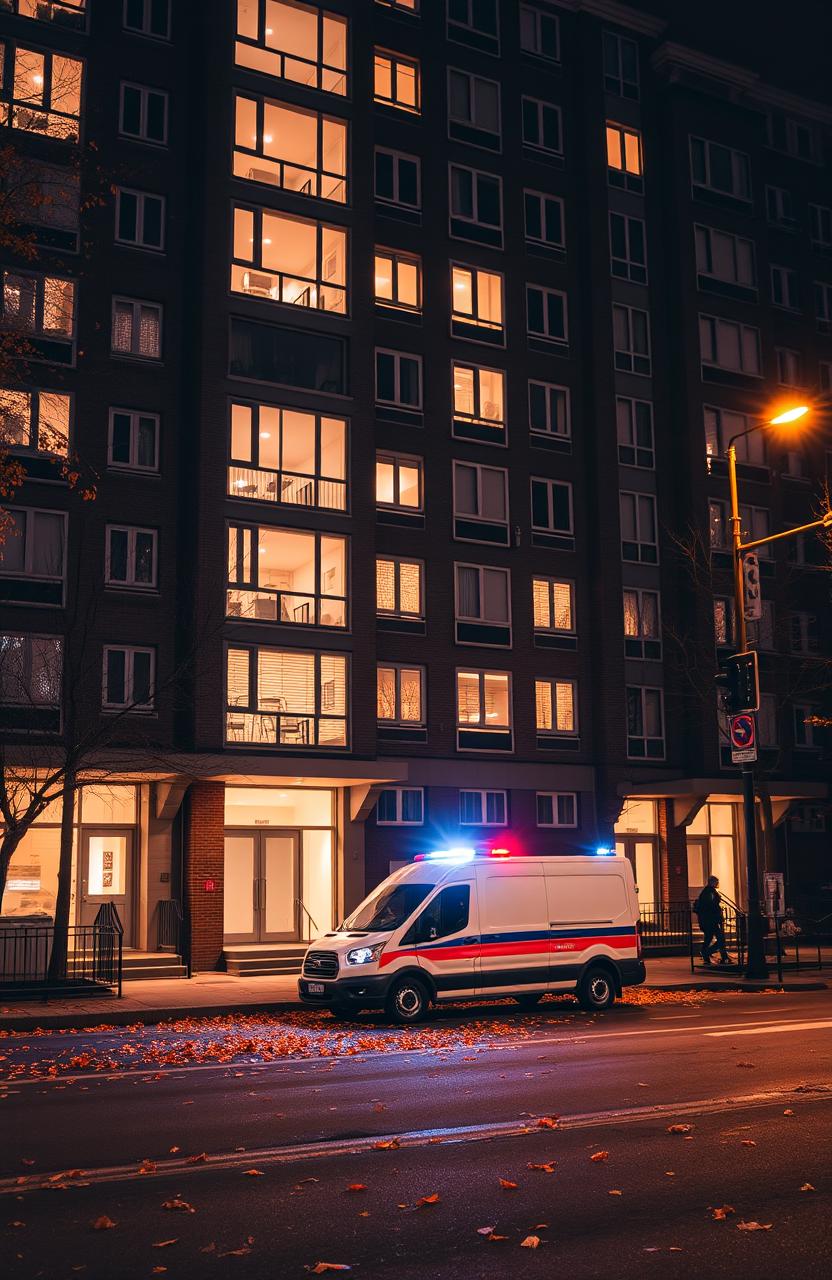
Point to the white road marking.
(773, 1028)
(284, 1155)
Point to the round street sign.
(742, 731)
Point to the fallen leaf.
(530, 1242)
(253, 1173)
(747, 1142)
(599, 1155)
(200, 1159)
(548, 1122)
(548, 1167)
(103, 1223)
(494, 1238)
(507, 1185)
(484, 1231)
(178, 1206)
(434, 1198)
(788, 1112)
(164, 1244)
(807, 1186)
(679, 1128)
(754, 1226)
(320, 1267)
(746, 1064)
(18, 1223)
(158, 1271)
(365, 1213)
(356, 1186)
(240, 1252)
(173, 1150)
(379, 1107)
(722, 1212)
(615, 1193)
(392, 1144)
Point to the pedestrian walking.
(708, 908)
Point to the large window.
(789, 364)
(542, 127)
(284, 146)
(42, 307)
(484, 700)
(287, 576)
(820, 225)
(33, 556)
(476, 205)
(400, 807)
(293, 41)
(720, 169)
(140, 219)
(556, 706)
(398, 179)
(553, 605)
(36, 420)
(556, 809)
(65, 13)
(45, 92)
(483, 595)
(628, 248)
(398, 280)
(634, 421)
(544, 219)
(639, 540)
(721, 425)
(620, 65)
(131, 556)
(129, 678)
(625, 162)
(283, 697)
(475, 23)
(631, 339)
(287, 456)
(289, 260)
(398, 482)
(805, 633)
(477, 304)
(823, 303)
(725, 257)
(645, 723)
(400, 694)
(546, 314)
(31, 669)
(539, 32)
(136, 329)
(785, 287)
(148, 17)
(479, 401)
(144, 113)
(725, 344)
(642, 624)
(549, 409)
(551, 505)
(483, 809)
(399, 587)
(133, 440)
(473, 109)
(396, 81)
(480, 502)
(398, 379)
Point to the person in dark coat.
(708, 909)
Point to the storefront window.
(274, 807)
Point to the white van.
(455, 924)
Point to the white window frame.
(703, 239)
(537, 15)
(130, 583)
(638, 540)
(29, 543)
(633, 425)
(633, 269)
(479, 468)
(478, 416)
(541, 107)
(470, 24)
(786, 282)
(820, 225)
(136, 304)
(556, 797)
(34, 414)
(714, 323)
(779, 206)
(398, 59)
(789, 363)
(554, 682)
(751, 449)
(141, 199)
(396, 157)
(645, 737)
(147, 15)
(641, 638)
(398, 257)
(399, 821)
(551, 486)
(26, 686)
(483, 794)
(474, 317)
(806, 624)
(144, 90)
(542, 199)
(801, 711)
(480, 726)
(550, 429)
(471, 122)
(822, 290)
(130, 652)
(397, 611)
(550, 583)
(623, 131)
(398, 720)
(397, 358)
(474, 220)
(398, 460)
(546, 293)
(740, 163)
(614, 80)
(481, 570)
(625, 358)
(38, 331)
(133, 465)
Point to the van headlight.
(365, 955)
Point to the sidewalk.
(216, 993)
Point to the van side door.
(589, 916)
(445, 938)
(514, 927)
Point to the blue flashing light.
(604, 851)
(458, 854)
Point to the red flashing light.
(499, 853)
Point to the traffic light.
(741, 682)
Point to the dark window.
(447, 914)
(268, 353)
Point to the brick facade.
(204, 823)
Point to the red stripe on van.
(539, 946)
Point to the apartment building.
(404, 340)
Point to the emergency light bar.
(446, 855)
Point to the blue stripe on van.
(534, 935)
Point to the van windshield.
(389, 907)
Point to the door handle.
(255, 895)
(263, 895)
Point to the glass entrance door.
(642, 855)
(261, 887)
(107, 876)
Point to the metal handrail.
(300, 903)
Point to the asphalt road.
(265, 1151)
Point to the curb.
(147, 1017)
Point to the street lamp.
(755, 958)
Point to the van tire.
(530, 1001)
(407, 1001)
(596, 988)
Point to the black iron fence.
(169, 922)
(94, 957)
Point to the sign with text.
(752, 598)
(743, 731)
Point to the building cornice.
(622, 15)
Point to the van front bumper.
(368, 992)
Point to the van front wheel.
(407, 1001)
(596, 988)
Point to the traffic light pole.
(755, 966)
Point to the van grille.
(320, 964)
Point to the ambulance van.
(459, 925)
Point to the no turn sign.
(743, 730)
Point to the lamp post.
(755, 958)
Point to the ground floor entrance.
(107, 876)
(262, 878)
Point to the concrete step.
(144, 965)
(153, 972)
(255, 967)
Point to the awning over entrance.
(689, 794)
